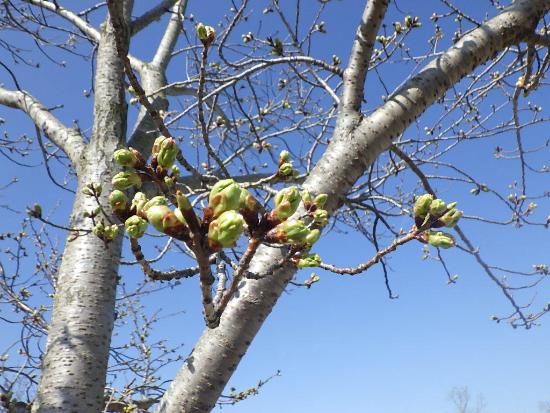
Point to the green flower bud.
(139, 201)
(156, 214)
(167, 151)
(183, 202)
(285, 169)
(157, 200)
(451, 217)
(118, 200)
(320, 216)
(313, 237)
(320, 200)
(224, 196)
(284, 156)
(247, 201)
(225, 230)
(135, 226)
(110, 232)
(36, 211)
(169, 181)
(306, 196)
(175, 171)
(125, 157)
(422, 205)
(98, 229)
(437, 207)
(309, 260)
(452, 205)
(293, 232)
(156, 145)
(125, 180)
(441, 239)
(206, 34)
(287, 201)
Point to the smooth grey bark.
(354, 147)
(75, 363)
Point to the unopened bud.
(139, 201)
(225, 230)
(320, 200)
(206, 34)
(284, 156)
(135, 226)
(110, 232)
(287, 201)
(285, 169)
(118, 200)
(125, 157)
(98, 229)
(312, 237)
(175, 171)
(294, 232)
(224, 196)
(247, 202)
(167, 152)
(157, 200)
(125, 180)
(320, 216)
(422, 205)
(451, 217)
(156, 214)
(309, 260)
(437, 207)
(441, 240)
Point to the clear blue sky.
(343, 345)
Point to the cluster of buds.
(231, 210)
(297, 232)
(206, 34)
(435, 213)
(105, 232)
(286, 170)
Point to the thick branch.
(68, 15)
(170, 37)
(67, 139)
(361, 52)
(150, 16)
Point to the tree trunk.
(356, 144)
(75, 364)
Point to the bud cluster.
(435, 213)
(286, 170)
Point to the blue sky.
(343, 345)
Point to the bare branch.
(67, 139)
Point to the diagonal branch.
(67, 139)
(150, 16)
(170, 37)
(68, 15)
